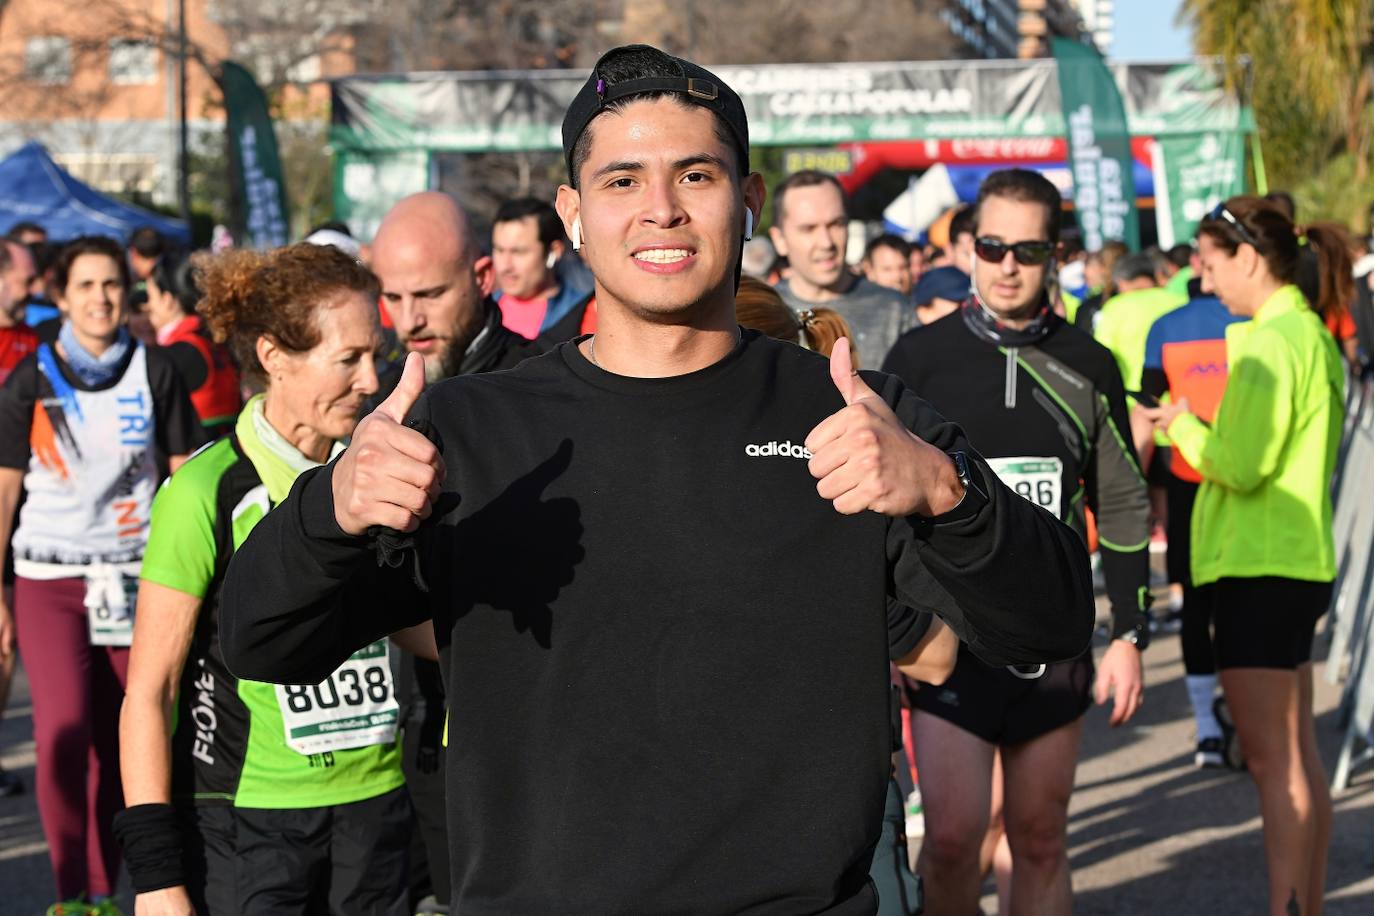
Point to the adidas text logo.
(784, 449)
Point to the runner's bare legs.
(1039, 781)
(1322, 815)
(1266, 705)
(956, 789)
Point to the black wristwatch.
(974, 498)
(961, 470)
(1137, 635)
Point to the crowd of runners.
(548, 572)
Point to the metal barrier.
(1351, 654)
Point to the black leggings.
(1196, 632)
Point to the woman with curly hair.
(247, 797)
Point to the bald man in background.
(436, 286)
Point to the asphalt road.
(1148, 833)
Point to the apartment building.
(98, 81)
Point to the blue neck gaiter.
(93, 370)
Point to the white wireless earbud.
(748, 224)
(577, 234)
(551, 260)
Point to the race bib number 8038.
(353, 707)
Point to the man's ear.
(779, 243)
(568, 203)
(755, 194)
(484, 275)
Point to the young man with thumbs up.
(665, 645)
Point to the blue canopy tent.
(33, 188)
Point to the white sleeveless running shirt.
(92, 474)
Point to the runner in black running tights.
(1044, 404)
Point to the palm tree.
(1313, 74)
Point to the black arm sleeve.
(1116, 492)
(190, 365)
(1010, 579)
(300, 595)
(1154, 382)
(17, 398)
(906, 627)
(179, 431)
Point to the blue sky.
(1145, 30)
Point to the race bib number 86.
(1040, 480)
(353, 707)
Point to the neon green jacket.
(1124, 324)
(1264, 508)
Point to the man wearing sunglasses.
(1046, 407)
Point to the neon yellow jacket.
(1264, 508)
(1071, 305)
(1124, 324)
(1178, 283)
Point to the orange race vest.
(218, 400)
(1196, 369)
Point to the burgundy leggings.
(77, 690)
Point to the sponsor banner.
(255, 172)
(1099, 147)
(1193, 174)
(787, 104)
(826, 159)
(366, 185)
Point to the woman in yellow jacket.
(1261, 526)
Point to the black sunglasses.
(1027, 254)
(1221, 214)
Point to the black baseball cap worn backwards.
(695, 85)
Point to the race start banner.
(1194, 173)
(1099, 147)
(255, 168)
(390, 132)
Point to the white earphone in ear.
(748, 224)
(551, 260)
(577, 234)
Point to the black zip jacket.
(1051, 412)
(665, 656)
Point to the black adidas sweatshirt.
(665, 655)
